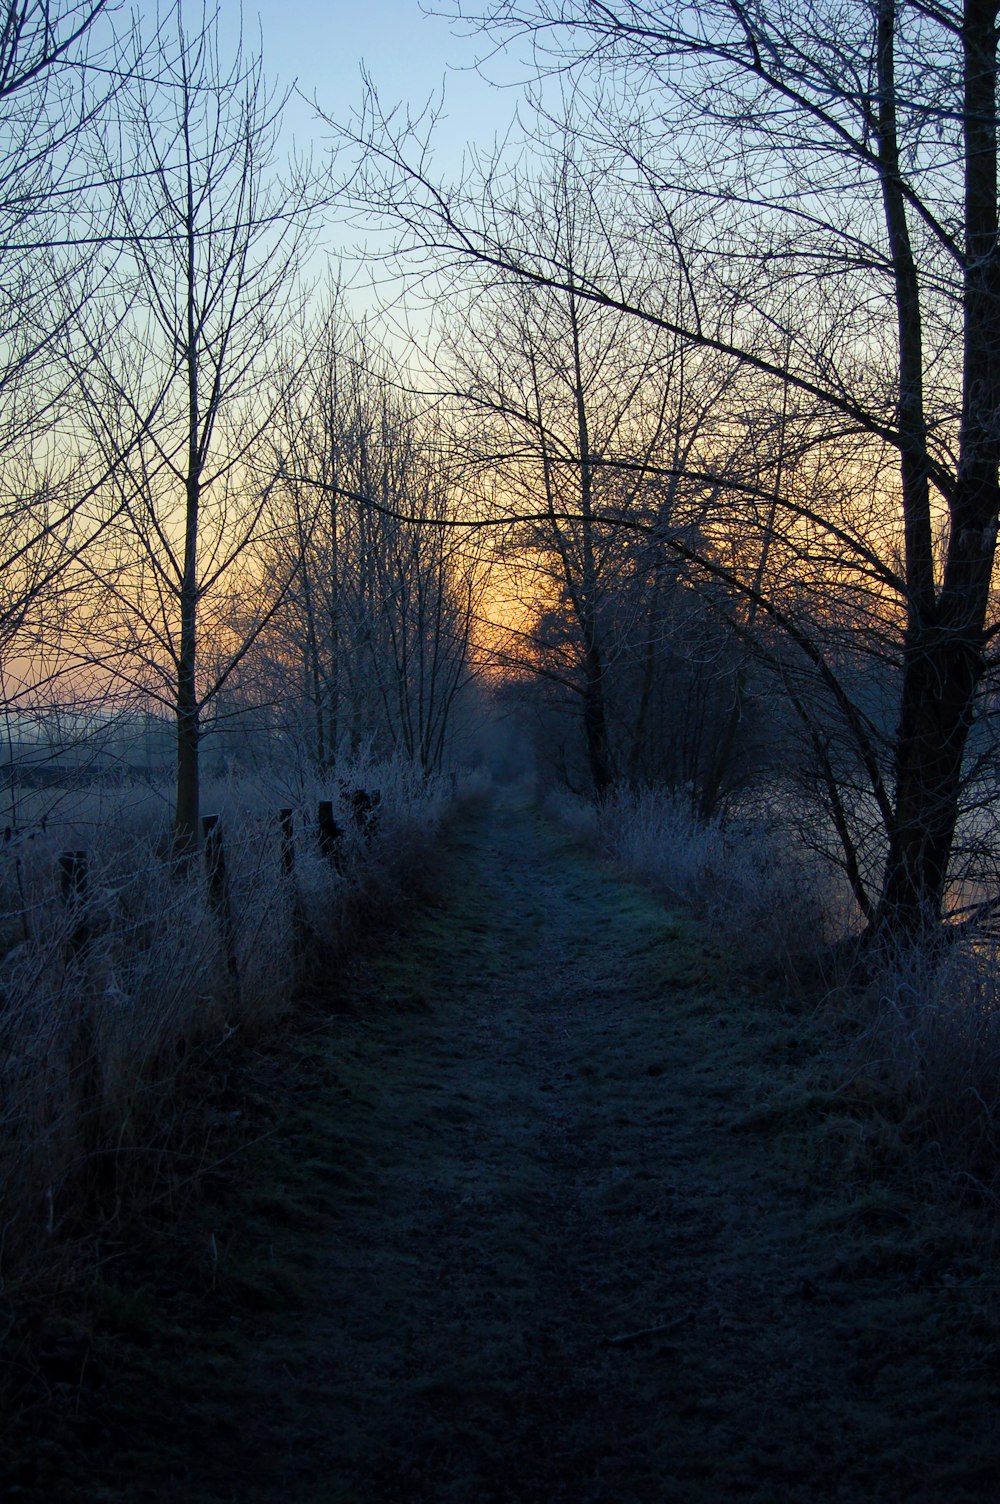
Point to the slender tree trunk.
(595, 723)
(312, 656)
(187, 831)
(333, 673)
(186, 827)
(646, 683)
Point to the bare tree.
(429, 586)
(372, 642)
(578, 423)
(182, 390)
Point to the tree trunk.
(944, 658)
(595, 724)
(940, 680)
(187, 830)
(186, 827)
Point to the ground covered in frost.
(543, 1204)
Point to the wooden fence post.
(287, 842)
(330, 833)
(73, 891)
(218, 893)
(300, 927)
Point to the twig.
(624, 1339)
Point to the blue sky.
(409, 57)
(408, 54)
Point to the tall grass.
(761, 898)
(112, 1005)
(929, 1037)
(920, 1027)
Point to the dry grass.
(538, 1212)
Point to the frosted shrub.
(655, 834)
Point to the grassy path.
(546, 1215)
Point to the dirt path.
(548, 1215)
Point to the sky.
(320, 46)
(409, 55)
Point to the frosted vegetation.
(114, 1002)
(923, 1023)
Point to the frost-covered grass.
(763, 901)
(699, 1228)
(112, 1002)
(921, 1031)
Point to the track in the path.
(518, 1131)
